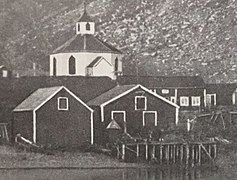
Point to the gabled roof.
(112, 93)
(96, 61)
(86, 43)
(163, 81)
(41, 96)
(113, 125)
(85, 17)
(120, 91)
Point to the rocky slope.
(165, 37)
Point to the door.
(120, 118)
(149, 119)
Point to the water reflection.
(111, 174)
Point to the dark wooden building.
(135, 108)
(54, 117)
(221, 94)
(186, 91)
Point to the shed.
(54, 117)
(134, 108)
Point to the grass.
(12, 157)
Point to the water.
(109, 174)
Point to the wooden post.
(168, 153)
(199, 154)
(209, 149)
(153, 152)
(161, 155)
(174, 155)
(147, 151)
(187, 154)
(215, 151)
(181, 153)
(193, 155)
(123, 151)
(118, 152)
(137, 150)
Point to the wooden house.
(54, 117)
(5, 72)
(221, 94)
(186, 91)
(135, 108)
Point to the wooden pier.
(193, 153)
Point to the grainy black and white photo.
(118, 89)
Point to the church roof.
(85, 18)
(96, 61)
(86, 43)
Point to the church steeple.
(85, 25)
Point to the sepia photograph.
(118, 89)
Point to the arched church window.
(72, 65)
(116, 65)
(54, 66)
(88, 27)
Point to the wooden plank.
(138, 150)
(147, 151)
(123, 151)
(161, 154)
(181, 153)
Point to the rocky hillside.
(165, 37)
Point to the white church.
(85, 54)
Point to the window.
(4, 73)
(172, 99)
(211, 99)
(88, 27)
(54, 66)
(72, 65)
(63, 103)
(184, 101)
(149, 118)
(116, 65)
(196, 101)
(165, 91)
(140, 103)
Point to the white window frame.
(119, 112)
(196, 100)
(208, 100)
(149, 112)
(137, 97)
(165, 91)
(181, 101)
(4, 73)
(63, 109)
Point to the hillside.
(165, 37)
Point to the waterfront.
(108, 174)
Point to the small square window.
(140, 103)
(196, 101)
(184, 101)
(4, 73)
(63, 103)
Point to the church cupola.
(85, 25)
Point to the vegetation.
(165, 37)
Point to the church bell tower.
(85, 25)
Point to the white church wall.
(83, 59)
